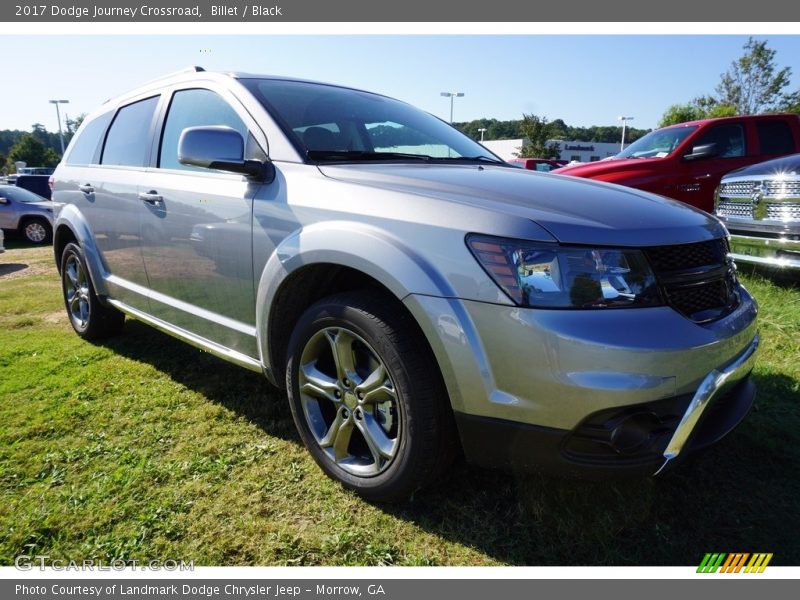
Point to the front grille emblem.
(757, 194)
(756, 197)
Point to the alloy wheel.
(35, 232)
(350, 402)
(76, 290)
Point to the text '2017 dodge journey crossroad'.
(414, 294)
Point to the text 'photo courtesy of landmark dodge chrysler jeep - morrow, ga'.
(415, 295)
(760, 205)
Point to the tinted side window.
(128, 139)
(85, 149)
(775, 137)
(729, 139)
(194, 108)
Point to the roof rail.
(194, 69)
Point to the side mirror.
(704, 151)
(3, 200)
(220, 148)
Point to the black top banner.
(459, 11)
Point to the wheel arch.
(71, 226)
(323, 260)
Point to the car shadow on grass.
(237, 389)
(8, 268)
(741, 495)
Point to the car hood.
(785, 165)
(603, 167)
(43, 206)
(576, 211)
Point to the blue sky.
(583, 79)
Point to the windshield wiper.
(479, 158)
(346, 155)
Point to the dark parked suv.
(413, 293)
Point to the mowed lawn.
(145, 448)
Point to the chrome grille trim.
(783, 211)
(776, 188)
(735, 210)
(737, 189)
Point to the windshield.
(18, 194)
(657, 144)
(338, 124)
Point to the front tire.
(367, 397)
(37, 230)
(90, 319)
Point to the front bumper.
(626, 390)
(640, 440)
(780, 252)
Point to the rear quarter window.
(775, 137)
(85, 150)
(128, 140)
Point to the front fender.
(70, 217)
(365, 248)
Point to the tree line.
(37, 147)
(556, 129)
(753, 84)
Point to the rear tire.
(90, 319)
(367, 396)
(36, 230)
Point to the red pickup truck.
(686, 161)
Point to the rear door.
(102, 181)
(699, 178)
(774, 138)
(196, 229)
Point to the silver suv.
(760, 205)
(415, 295)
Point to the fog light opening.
(636, 433)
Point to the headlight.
(552, 276)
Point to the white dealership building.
(570, 150)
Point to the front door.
(197, 233)
(697, 179)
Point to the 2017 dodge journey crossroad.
(415, 295)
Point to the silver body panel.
(206, 262)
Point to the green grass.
(145, 448)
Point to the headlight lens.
(552, 276)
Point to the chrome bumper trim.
(715, 384)
(776, 252)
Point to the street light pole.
(58, 114)
(624, 122)
(482, 130)
(452, 96)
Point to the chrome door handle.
(86, 188)
(151, 197)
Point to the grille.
(783, 211)
(737, 189)
(687, 256)
(695, 299)
(736, 210)
(772, 189)
(696, 279)
(782, 188)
